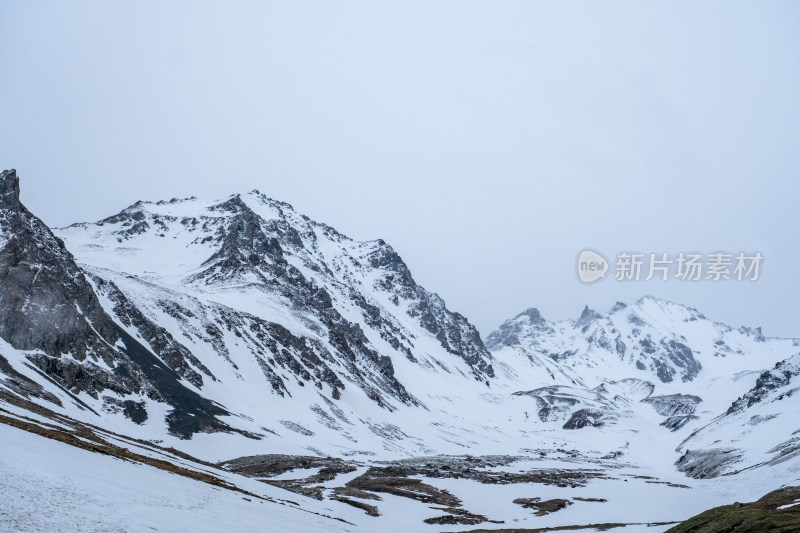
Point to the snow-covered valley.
(316, 386)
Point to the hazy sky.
(488, 142)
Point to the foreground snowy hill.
(759, 429)
(46, 486)
(283, 355)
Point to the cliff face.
(49, 309)
(46, 303)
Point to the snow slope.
(50, 486)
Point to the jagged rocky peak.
(9, 190)
(245, 246)
(755, 333)
(524, 325)
(46, 303)
(533, 315)
(783, 375)
(398, 277)
(587, 317)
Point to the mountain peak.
(654, 304)
(587, 316)
(533, 315)
(9, 190)
(649, 298)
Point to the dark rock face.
(9, 190)
(135, 411)
(702, 464)
(22, 385)
(586, 318)
(511, 331)
(542, 508)
(310, 361)
(678, 408)
(551, 402)
(45, 303)
(674, 423)
(245, 248)
(674, 405)
(585, 417)
(174, 354)
(452, 330)
(48, 306)
(768, 382)
(191, 412)
(680, 355)
(454, 333)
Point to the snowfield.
(49, 486)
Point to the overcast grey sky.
(488, 142)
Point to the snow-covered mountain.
(255, 303)
(651, 339)
(673, 347)
(239, 327)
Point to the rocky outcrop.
(46, 304)
(674, 404)
(527, 324)
(50, 309)
(702, 464)
(782, 375)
